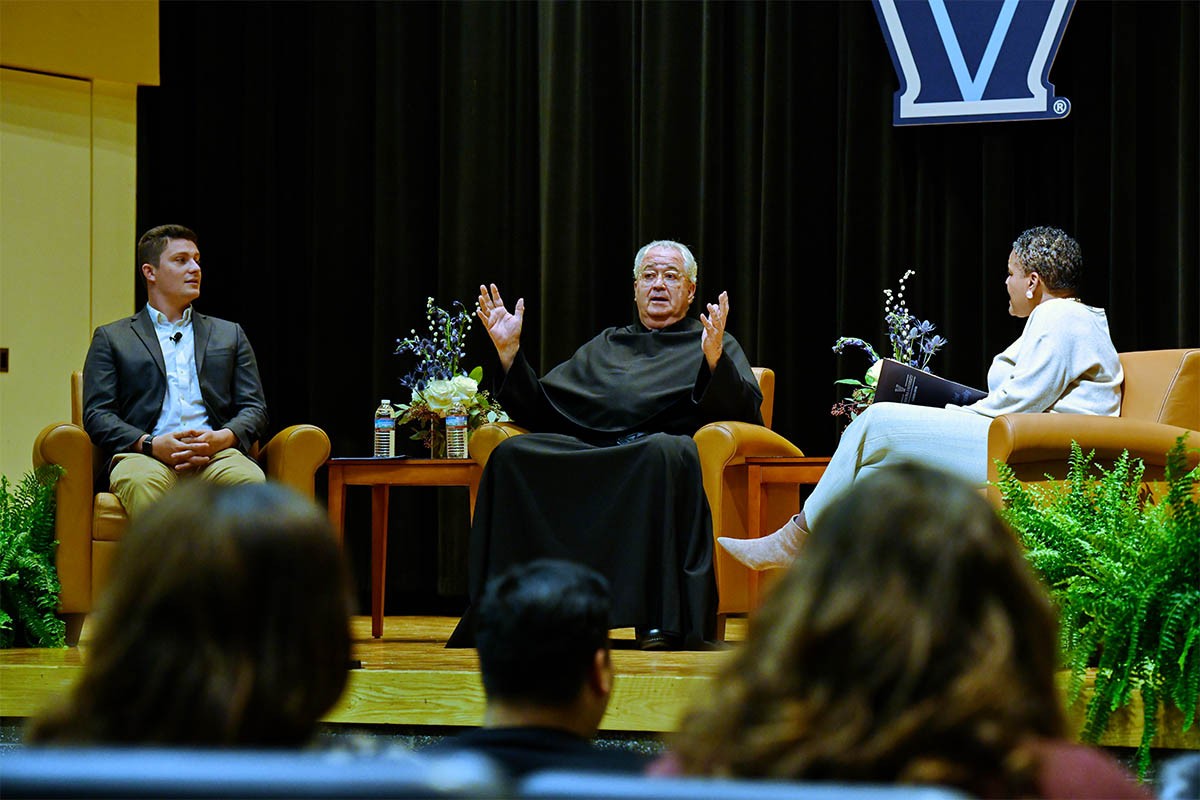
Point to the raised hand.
(503, 326)
(712, 339)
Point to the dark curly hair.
(1053, 255)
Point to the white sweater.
(1064, 361)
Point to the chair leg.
(721, 626)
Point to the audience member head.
(1054, 256)
(909, 643)
(225, 623)
(542, 636)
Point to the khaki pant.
(139, 480)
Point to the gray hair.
(689, 261)
(1053, 255)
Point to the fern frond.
(1124, 573)
(1150, 703)
(29, 585)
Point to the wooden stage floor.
(409, 678)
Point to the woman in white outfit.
(1064, 362)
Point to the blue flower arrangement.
(437, 381)
(913, 343)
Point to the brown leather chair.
(89, 524)
(1160, 402)
(724, 447)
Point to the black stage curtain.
(343, 161)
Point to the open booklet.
(900, 383)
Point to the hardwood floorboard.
(409, 678)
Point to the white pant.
(889, 433)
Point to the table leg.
(337, 502)
(473, 492)
(379, 522)
(753, 523)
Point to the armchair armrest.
(293, 456)
(1034, 445)
(487, 437)
(726, 444)
(69, 446)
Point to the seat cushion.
(108, 518)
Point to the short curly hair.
(1053, 255)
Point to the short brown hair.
(150, 247)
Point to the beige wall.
(109, 40)
(68, 169)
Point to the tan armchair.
(1160, 402)
(724, 447)
(89, 524)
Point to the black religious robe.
(611, 477)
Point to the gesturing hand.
(712, 340)
(504, 327)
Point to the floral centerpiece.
(438, 383)
(913, 343)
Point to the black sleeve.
(729, 392)
(521, 395)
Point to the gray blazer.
(125, 382)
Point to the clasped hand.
(191, 449)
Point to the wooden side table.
(795, 470)
(381, 474)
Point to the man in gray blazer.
(170, 392)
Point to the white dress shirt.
(183, 405)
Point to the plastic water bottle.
(456, 432)
(385, 430)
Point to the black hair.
(539, 627)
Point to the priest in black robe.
(611, 477)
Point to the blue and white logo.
(974, 60)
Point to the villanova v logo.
(974, 60)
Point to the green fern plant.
(29, 584)
(1124, 572)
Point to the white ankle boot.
(776, 551)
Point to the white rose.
(440, 395)
(464, 388)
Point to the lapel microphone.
(178, 335)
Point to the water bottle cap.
(385, 402)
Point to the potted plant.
(1123, 568)
(29, 586)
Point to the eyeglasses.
(648, 277)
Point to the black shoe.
(655, 639)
